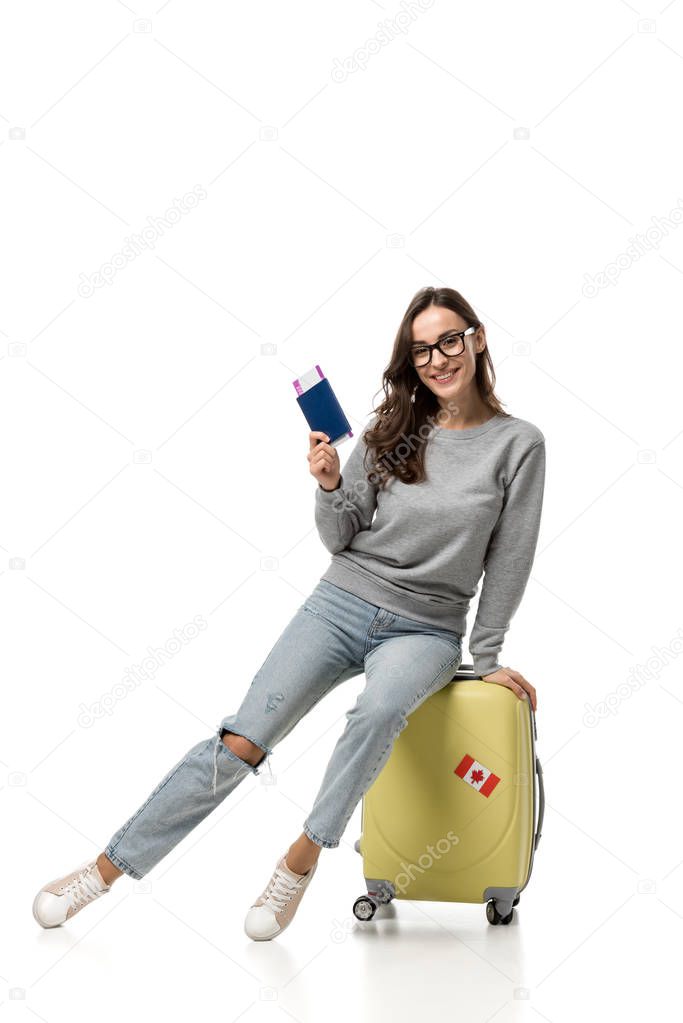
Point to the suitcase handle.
(541, 802)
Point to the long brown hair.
(397, 439)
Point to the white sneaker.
(63, 898)
(275, 907)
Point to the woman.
(456, 489)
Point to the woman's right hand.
(323, 460)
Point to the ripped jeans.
(333, 636)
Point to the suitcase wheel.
(494, 917)
(364, 908)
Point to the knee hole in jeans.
(243, 748)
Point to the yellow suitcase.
(455, 814)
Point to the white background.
(512, 152)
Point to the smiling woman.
(409, 543)
(442, 484)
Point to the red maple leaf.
(477, 775)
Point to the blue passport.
(321, 407)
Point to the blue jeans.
(333, 636)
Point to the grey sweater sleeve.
(508, 561)
(341, 513)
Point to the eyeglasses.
(450, 344)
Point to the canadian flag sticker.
(476, 775)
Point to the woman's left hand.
(515, 681)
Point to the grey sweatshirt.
(419, 549)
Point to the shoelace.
(82, 889)
(279, 891)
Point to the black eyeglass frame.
(437, 344)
